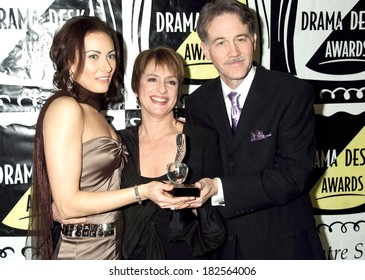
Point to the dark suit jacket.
(267, 164)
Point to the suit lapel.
(217, 111)
(254, 104)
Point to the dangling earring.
(176, 112)
(137, 102)
(70, 81)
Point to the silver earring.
(138, 105)
(176, 112)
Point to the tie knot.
(233, 96)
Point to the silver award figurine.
(177, 171)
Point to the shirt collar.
(244, 87)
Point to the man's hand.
(208, 188)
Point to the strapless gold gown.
(101, 171)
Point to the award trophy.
(177, 172)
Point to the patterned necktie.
(236, 110)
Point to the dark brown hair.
(160, 56)
(220, 7)
(68, 43)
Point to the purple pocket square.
(259, 135)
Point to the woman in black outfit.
(150, 231)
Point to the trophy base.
(186, 190)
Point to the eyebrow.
(155, 75)
(239, 35)
(219, 38)
(99, 51)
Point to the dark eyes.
(238, 40)
(96, 56)
(151, 79)
(171, 82)
(93, 56)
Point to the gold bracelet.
(138, 197)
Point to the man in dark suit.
(268, 158)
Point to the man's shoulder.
(282, 83)
(205, 90)
(276, 75)
(207, 85)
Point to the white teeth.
(159, 99)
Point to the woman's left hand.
(160, 194)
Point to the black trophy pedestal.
(186, 190)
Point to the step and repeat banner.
(322, 41)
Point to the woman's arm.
(63, 129)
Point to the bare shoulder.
(64, 116)
(64, 107)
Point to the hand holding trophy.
(177, 171)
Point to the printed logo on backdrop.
(15, 174)
(175, 26)
(343, 51)
(324, 43)
(153, 23)
(341, 187)
(321, 41)
(26, 71)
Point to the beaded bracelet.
(138, 197)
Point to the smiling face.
(158, 90)
(230, 47)
(100, 63)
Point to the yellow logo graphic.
(342, 186)
(199, 68)
(18, 216)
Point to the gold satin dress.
(103, 160)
